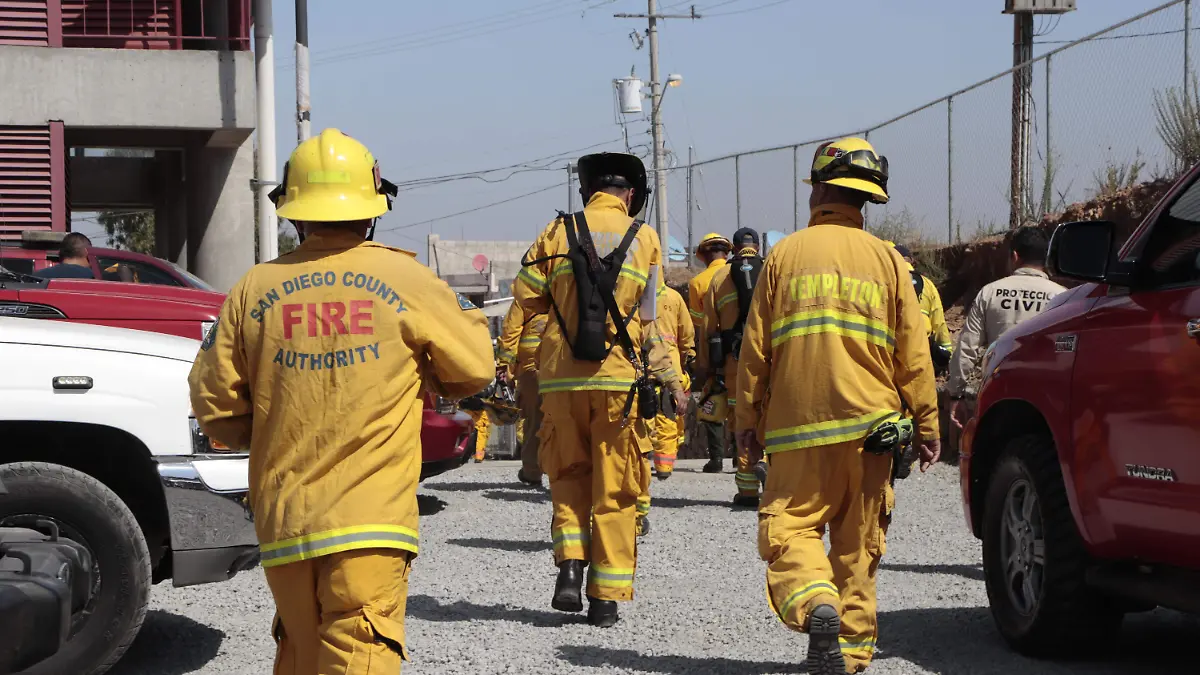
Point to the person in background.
(712, 251)
(999, 306)
(72, 259)
(834, 349)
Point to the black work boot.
(642, 526)
(749, 501)
(602, 613)
(714, 465)
(824, 652)
(568, 588)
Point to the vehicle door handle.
(1193, 328)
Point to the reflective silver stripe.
(845, 324)
(861, 427)
(336, 540)
(599, 577)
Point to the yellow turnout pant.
(744, 477)
(840, 487)
(531, 414)
(596, 469)
(341, 613)
(668, 436)
(483, 429)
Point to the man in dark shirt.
(73, 259)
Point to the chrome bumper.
(212, 527)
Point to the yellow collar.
(334, 239)
(603, 200)
(717, 262)
(836, 214)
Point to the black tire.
(95, 516)
(1065, 617)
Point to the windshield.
(194, 280)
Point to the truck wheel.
(1034, 559)
(93, 515)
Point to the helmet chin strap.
(371, 229)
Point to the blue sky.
(460, 85)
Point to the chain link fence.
(1093, 126)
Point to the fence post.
(737, 186)
(795, 188)
(950, 170)
(690, 200)
(1047, 192)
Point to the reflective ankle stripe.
(568, 537)
(610, 577)
(858, 646)
(337, 540)
(806, 593)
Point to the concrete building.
(458, 262)
(173, 79)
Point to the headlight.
(201, 444)
(205, 326)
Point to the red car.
(108, 264)
(447, 435)
(1081, 469)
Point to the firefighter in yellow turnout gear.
(674, 328)
(593, 436)
(834, 349)
(316, 366)
(729, 294)
(710, 417)
(520, 341)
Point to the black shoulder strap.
(569, 226)
(608, 293)
(918, 283)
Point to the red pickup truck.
(1081, 469)
(447, 434)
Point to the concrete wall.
(457, 256)
(220, 224)
(128, 88)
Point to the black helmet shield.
(607, 169)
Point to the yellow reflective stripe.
(634, 273)
(661, 290)
(329, 177)
(726, 299)
(823, 433)
(505, 355)
(560, 268)
(583, 384)
(925, 312)
(532, 277)
(832, 321)
(531, 340)
(610, 577)
(337, 540)
(695, 314)
(864, 645)
(806, 593)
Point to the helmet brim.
(877, 193)
(320, 209)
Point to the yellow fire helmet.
(332, 178)
(713, 239)
(851, 163)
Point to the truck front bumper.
(212, 527)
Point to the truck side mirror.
(1082, 250)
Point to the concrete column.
(170, 208)
(220, 241)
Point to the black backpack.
(595, 283)
(743, 272)
(939, 354)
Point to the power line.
(477, 208)
(517, 168)
(464, 34)
(749, 9)
(1115, 37)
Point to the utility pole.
(303, 108)
(1021, 122)
(691, 196)
(570, 188)
(264, 63)
(656, 127)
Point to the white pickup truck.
(96, 436)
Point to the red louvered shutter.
(120, 24)
(24, 22)
(32, 182)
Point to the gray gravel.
(479, 598)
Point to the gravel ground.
(479, 598)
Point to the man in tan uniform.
(593, 438)
(999, 306)
(317, 365)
